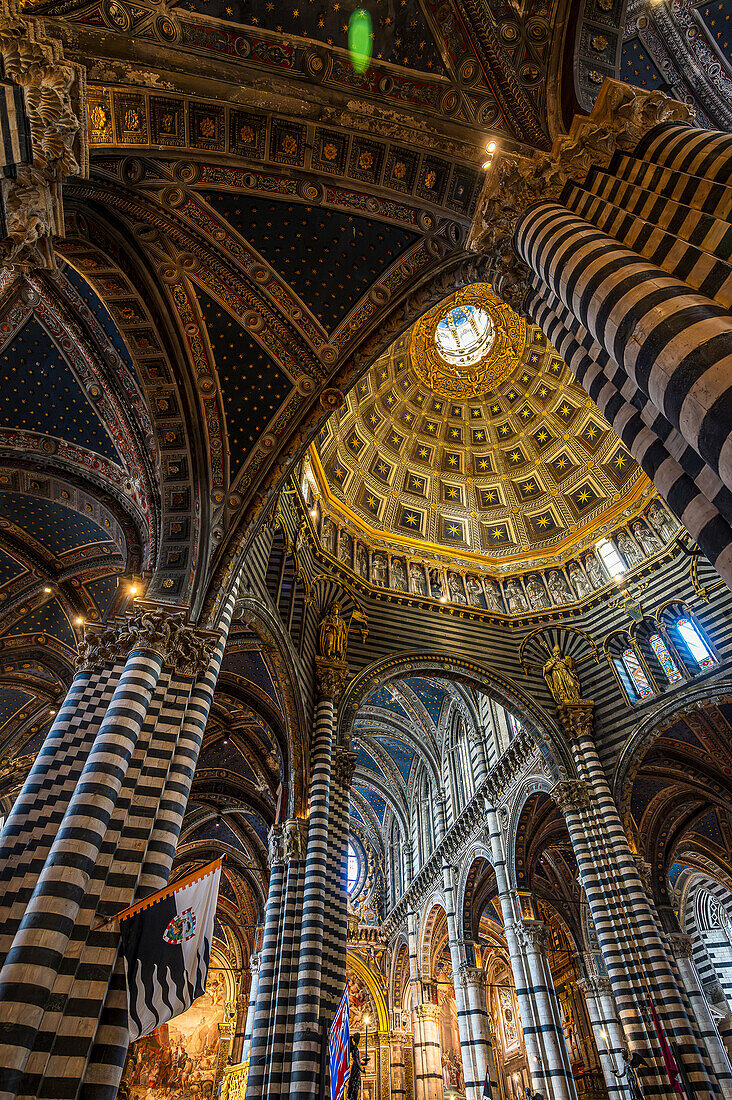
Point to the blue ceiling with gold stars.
(102, 591)
(329, 259)
(101, 313)
(718, 19)
(252, 386)
(11, 701)
(39, 393)
(431, 695)
(49, 619)
(56, 528)
(9, 568)
(638, 68)
(400, 33)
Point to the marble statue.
(661, 520)
(646, 538)
(579, 581)
(592, 566)
(416, 577)
(362, 560)
(515, 597)
(398, 574)
(558, 588)
(475, 591)
(456, 589)
(535, 592)
(378, 570)
(628, 549)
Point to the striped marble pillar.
(335, 931)
(428, 1081)
(608, 1034)
(480, 1052)
(398, 1073)
(260, 1053)
(555, 1071)
(251, 1007)
(682, 952)
(478, 754)
(636, 961)
(314, 971)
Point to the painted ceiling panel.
(365, 760)
(39, 393)
(251, 666)
(643, 791)
(382, 697)
(681, 732)
(431, 695)
(375, 801)
(708, 827)
(9, 568)
(400, 32)
(329, 259)
(49, 619)
(251, 385)
(638, 68)
(257, 824)
(103, 591)
(100, 311)
(11, 701)
(56, 528)
(400, 753)
(227, 756)
(718, 19)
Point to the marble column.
(682, 951)
(478, 1056)
(606, 1029)
(243, 1053)
(428, 1081)
(398, 1073)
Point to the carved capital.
(681, 945)
(471, 976)
(182, 647)
(577, 719)
(344, 765)
(331, 678)
(294, 840)
(619, 118)
(595, 984)
(429, 1011)
(276, 854)
(254, 961)
(644, 873)
(55, 102)
(571, 795)
(532, 935)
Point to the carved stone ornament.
(294, 833)
(429, 1011)
(681, 945)
(471, 976)
(276, 854)
(577, 719)
(331, 678)
(619, 119)
(645, 873)
(532, 935)
(571, 795)
(55, 97)
(595, 984)
(344, 766)
(184, 648)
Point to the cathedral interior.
(366, 520)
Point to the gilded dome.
(515, 465)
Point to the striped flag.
(166, 945)
(340, 1049)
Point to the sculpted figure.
(661, 520)
(593, 571)
(492, 597)
(344, 551)
(536, 592)
(515, 597)
(579, 581)
(398, 574)
(333, 634)
(475, 591)
(646, 538)
(557, 587)
(276, 848)
(328, 537)
(456, 589)
(561, 677)
(292, 840)
(628, 549)
(362, 560)
(378, 570)
(416, 576)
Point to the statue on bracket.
(333, 634)
(561, 677)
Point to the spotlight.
(133, 590)
(48, 590)
(79, 621)
(443, 599)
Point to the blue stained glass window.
(637, 675)
(667, 662)
(353, 868)
(697, 646)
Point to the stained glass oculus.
(464, 335)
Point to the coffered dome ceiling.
(497, 456)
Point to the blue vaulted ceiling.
(49, 619)
(48, 399)
(329, 259)
(51, 525)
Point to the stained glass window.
(667, 662)
(697, 646)
(637, 675)
(515, 725)
(353, 868)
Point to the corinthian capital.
(681, 945)
(619, 118)
(331, 678)
(54, 92)
(182, 647)
(344, 765)
(577, 719)
(570, 795)
(532, 935)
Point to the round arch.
(368, 978)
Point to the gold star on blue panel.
(382, 469)
(542, 524)
(408, 418)
(476, 413)
(394, 440)
(542, 437)
(555, 367)
(495, 410)
(452, 494)
(561, 466)
(372, 419)
(505, 430)
(339, 473)
(453, 530)
(454, 434)
(451, 462)
(514, 458)
(323, 433)
(544, 393)
(456, 410)
(411, 519)
(565, 410)
(592, 435)
(527, 414)
(482, 464)
(489, 498)
(584, 497)
(423, 453)
(431, 427)
(363, 387)
(479, 435)
(438, 406)
(619, 466)
(526, 377)
(415, 483)
(529, 489)
(419, 399)
(512, 396)
(369, 501)
(354, 444)
(496, 535)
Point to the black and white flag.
(166, 945)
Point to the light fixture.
(133, 589)
(490, 152)
(48, 589)
(79, 621)
(52, 710)
(443, 598)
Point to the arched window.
(666, 661)
(514, 725)
(695, 643)
(641, 686)
(353, 870)
(610, 558)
